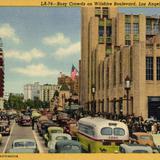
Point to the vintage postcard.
(79, 80)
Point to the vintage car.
(142, 138)
(57, 137)
(50, 131)
(25, 120)
(24, 146)
(62, 117)
(135, 148)
(4, 128)
(40, 121)
(67, 146)
(45, 126)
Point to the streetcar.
(98, 135)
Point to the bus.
(98, 135)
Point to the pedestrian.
(33, 121)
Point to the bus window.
(106, 131)
(86, 129)
(119, 132)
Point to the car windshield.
(56, 131)
(24, 144)
(145, 137)
(61, 138)
(71, 147)
(140, 151)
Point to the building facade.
(1, 77)
(116, 46)
(32, 91)
(47, 92)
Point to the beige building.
(116, 46)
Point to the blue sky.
(39, 43)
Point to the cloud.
(72, 49)
(57, 39)
(25, 56)
(8, 32)
(35, 70)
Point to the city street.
(19, 132)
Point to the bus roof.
(100, 122)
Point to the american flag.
(74, 71)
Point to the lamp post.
(93, 107)
(127, 88)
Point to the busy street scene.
(79, 80)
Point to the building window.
(149, 68)
(128, 28)
(156, 27)
(101, 31)
(136, 28)
(108, 31)
(148, 26)
(158, 68)
(127, 42)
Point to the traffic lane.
(5, 138)
(19, 132)
(41, 141)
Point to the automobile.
(0, 138)
(57, 137)
(50, 131)
(67, 146)
(46, 125)
(24, 146)
(40, 121)
(142, 138)
(4, 128)
(25, 120)
(135, 148)
(156, 140)
(62, 117)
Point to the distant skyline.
(41, 42)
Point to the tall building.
(117, 49)
(47, 92)
(1, 76)
(32, 91)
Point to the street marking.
(9, 137)
(40, 148)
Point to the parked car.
(24, 146)
(50, 131)
(67, 146)
(135, 148)
(41, 120)
(25, 120)
(46, 125)
(62, 117)
(57, 137)
(4, 128)
(142, 138)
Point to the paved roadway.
(19, 132)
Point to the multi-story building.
(73, 84)
(32, 91)
(116, 46)
(47, 92)
(1, 77)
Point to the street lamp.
(127, 88)
(93, 107)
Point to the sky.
(39, 43)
